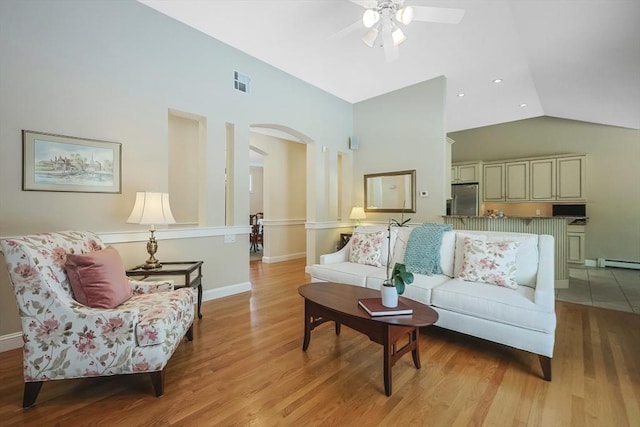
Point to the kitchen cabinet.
(576, 243)
(558, 178)
(543, 179)
(517, 181)
(493, 182)
(463, 173)
(571, 178)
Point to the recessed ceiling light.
(497, 80)
(461, 95)
(523, 105)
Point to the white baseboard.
(281, 258)
(10, 341)
(14, 340)
(226, 291)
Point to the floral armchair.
(65, 339)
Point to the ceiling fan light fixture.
(405, 15)
(370, 17)
(370, 37)
(398, 37)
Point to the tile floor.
(613, 288)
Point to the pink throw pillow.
(98, 278)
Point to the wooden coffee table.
(324, 302)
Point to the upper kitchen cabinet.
(493, 182)
(543, 179)
(571, 178)
(517, 181)
(558, 178)
(463, 173)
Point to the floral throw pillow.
(366, 248)
(489, 262)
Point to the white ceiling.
(575, 59)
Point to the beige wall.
(184, 135)
(613, 174)
(112, 71)
(404, 130)
(285, 196)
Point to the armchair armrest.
(544, 295)
(341, 256)
(140, 287)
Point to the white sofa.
(523, 318)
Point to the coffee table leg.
(307, 327)
(199, 301)
(416, 347)
(338, 324)
(387, 367)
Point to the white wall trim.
(10, 341)
(110, 237)
(590, 263)
(281, 258)
(226, 291)
(281, 222)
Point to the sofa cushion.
(422, 255)
(447, 252)
(98, 278)
(158, 313)
(526, 254)
(489, 262)
(344, 272)
(366, 247)
(495, 303)
(419, 290)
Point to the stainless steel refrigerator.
(464, 199)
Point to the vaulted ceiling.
(574, 59)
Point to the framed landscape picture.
(65, 163)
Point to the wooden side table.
(175, 268)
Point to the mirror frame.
(408, 173)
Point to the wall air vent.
(241, 82)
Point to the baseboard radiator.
(603, 262)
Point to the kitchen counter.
(555, 226)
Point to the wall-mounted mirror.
(390, 192)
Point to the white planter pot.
(389, 296)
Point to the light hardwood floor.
(246, 367)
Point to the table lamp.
(151, 209)
(357, 213)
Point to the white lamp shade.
(398, 36)
(370, 17)
(357, 213)
(370, 37)
(405, 15)
(151, 208)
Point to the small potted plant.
(397, 277)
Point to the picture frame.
(53, 162)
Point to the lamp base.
(151, 265)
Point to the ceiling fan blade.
(391, 51)
(442, 15)
(367, 4)
(356, 26)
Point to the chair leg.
(31, 390)
(189, 333)
(545, 363)
(157, 379)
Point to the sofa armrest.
(545, 279)
(140, 287)
(341, 256)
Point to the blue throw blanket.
(423, 249)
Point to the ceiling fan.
(383, 20)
